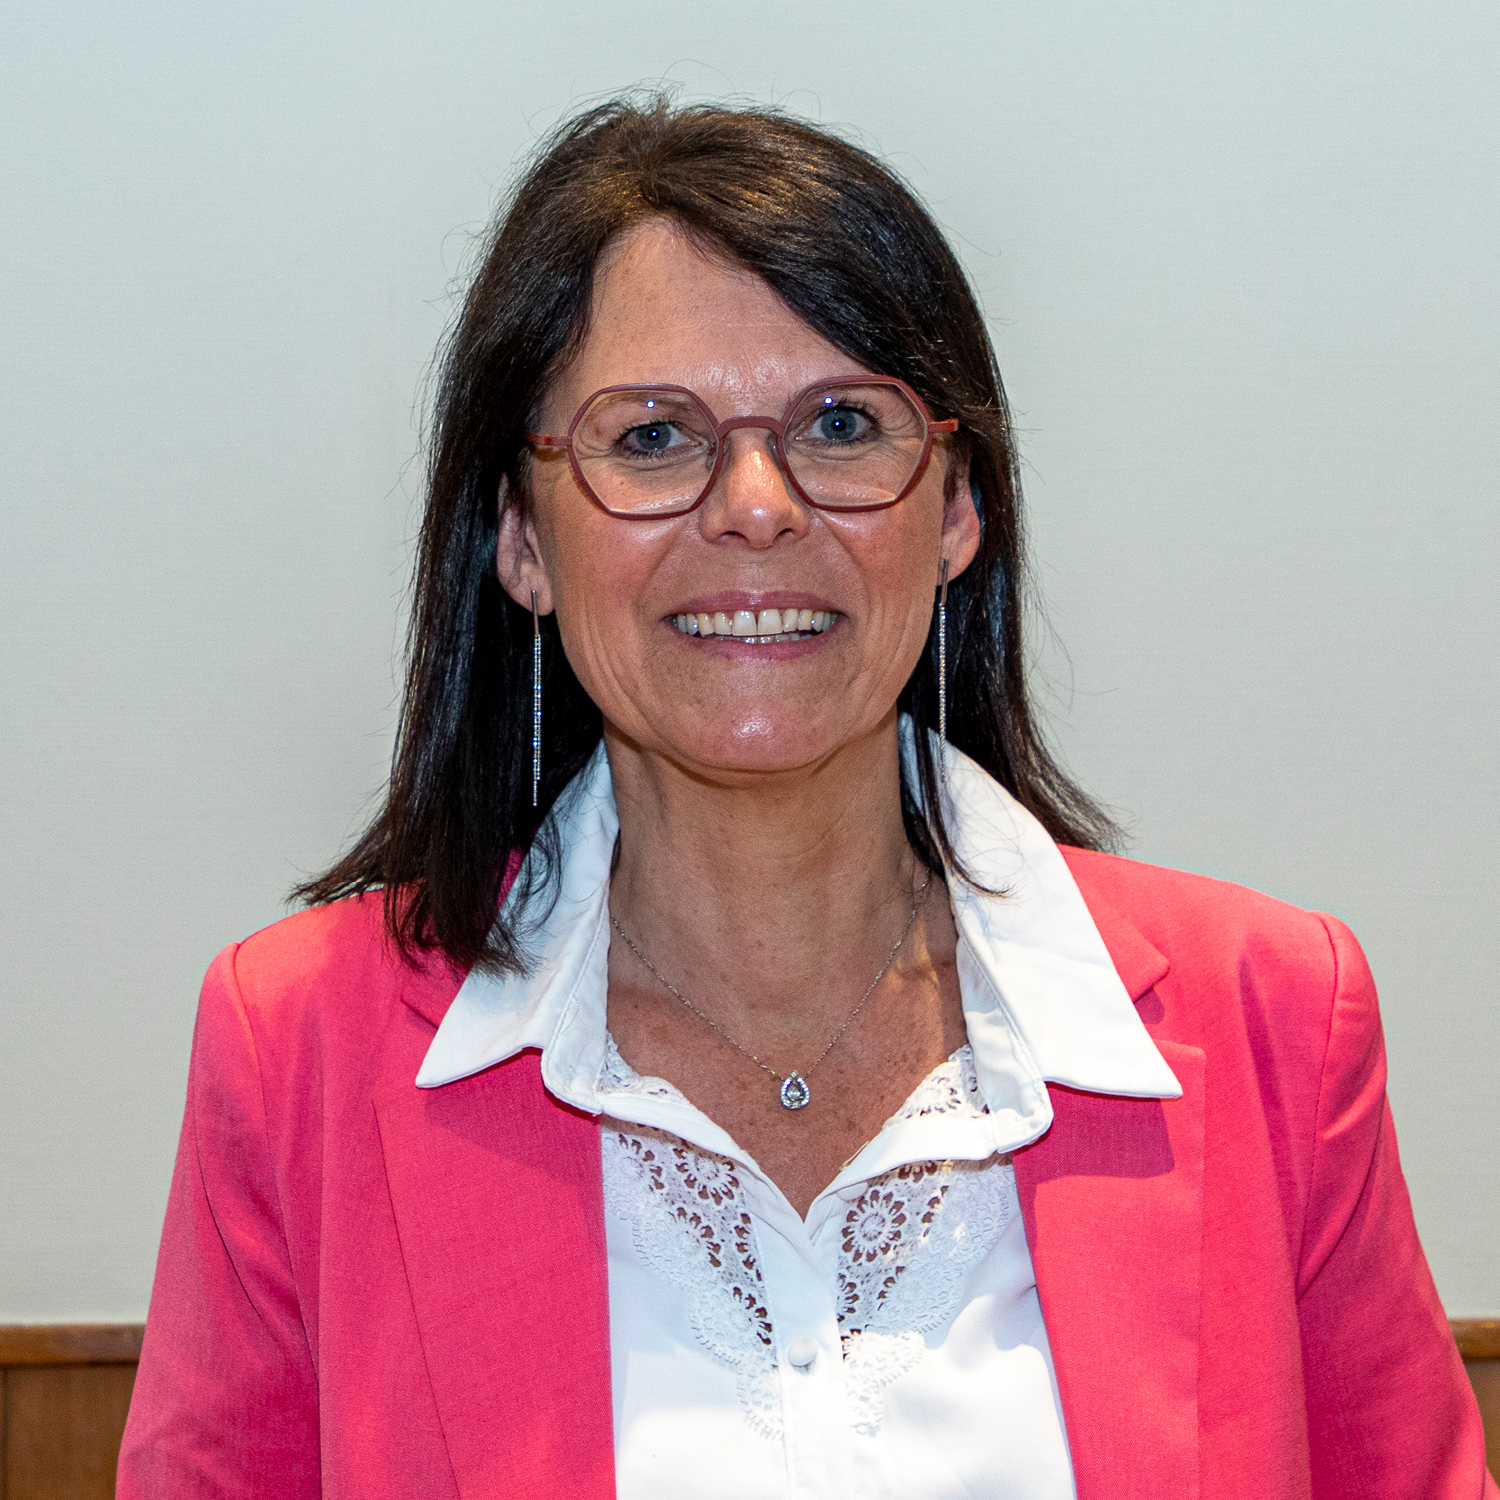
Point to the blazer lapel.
(1112, 1198)
(499, 1207)
(1136, 961)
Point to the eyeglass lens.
(652, 451)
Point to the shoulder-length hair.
(847, 246)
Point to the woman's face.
(665, 312)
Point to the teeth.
(758, 629)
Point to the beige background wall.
(1240, 264)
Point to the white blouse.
(892, 1343)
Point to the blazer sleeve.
(225, 1401)
(1390, 1409)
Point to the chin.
(757, 742)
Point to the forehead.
(667, 309)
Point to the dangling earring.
(536, 700)
(943, 667)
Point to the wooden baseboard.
(1478, 1338)
(70, 1343)
(65, 1390)
(64, 1393)
(120, 1343)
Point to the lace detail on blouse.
(616, 1075)
(951, 1088)
(688, 1225)
(905, 1243)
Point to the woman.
(822, 1114)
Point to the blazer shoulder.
(334, 957)
(1228, 951)
(1181, 913)
(1271, 991)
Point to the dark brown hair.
(845, 244)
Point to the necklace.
(795, 1090)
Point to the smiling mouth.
(764, 627)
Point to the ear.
(960, 531)
(518, 557)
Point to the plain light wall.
(1239, 261)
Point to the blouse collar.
(1041, 997)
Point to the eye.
(651, 437)
(837, 424)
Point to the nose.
(752, 498)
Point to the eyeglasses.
(648, 452)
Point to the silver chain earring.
(943, 666)
(536, 700)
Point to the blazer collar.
(557, 1005)
(1140, 966)
(1038, 950)
(429, 985)
(1043, 1000)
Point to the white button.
(802, 1352)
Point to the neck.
(774, 900)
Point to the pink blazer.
(370, 1290)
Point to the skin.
(762, 865)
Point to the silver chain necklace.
(795, 1091)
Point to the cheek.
(903, 572)
(598, 571)
(898, 561)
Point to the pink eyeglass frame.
(776, 427)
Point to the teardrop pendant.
(795, 1093)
